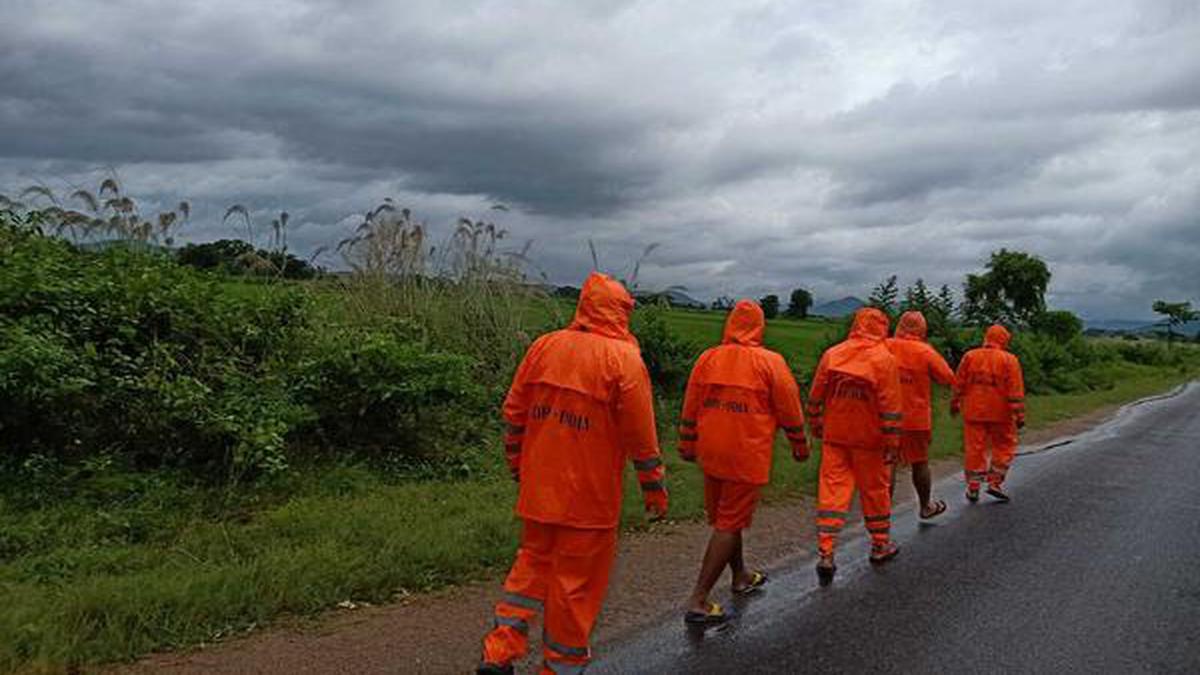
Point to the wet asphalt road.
(1094, 567)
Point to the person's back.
(575, 396)
(990, 395)
(738, 395)
(919, 365)
(858, 383)
(989, 380)
(579, 406)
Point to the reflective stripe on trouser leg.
(975, 446)
(835, 489)
(560, 658)
(562, 667)
(874, 478)
(582, 562)
(1003, 438)
(879, 527)
(523, 590)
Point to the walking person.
(919, 364)
(990, 395)
(579, 407)
(855, 409)
(738, 395)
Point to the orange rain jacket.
(739, 393)
(919, 362)
(855, 399)
(579, 406)
(990, 385)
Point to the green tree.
(918, 298)
(885, 295)
(770, 306)
(1176, 313)
(1011, 290)
(800, 303)
(1061, 325)
(944, 303)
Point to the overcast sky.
(824, 144)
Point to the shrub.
(126, 351)
(668, 356)
(1058, 324)
(384, 391)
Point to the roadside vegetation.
(200, 440)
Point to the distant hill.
(844, 307)
(1191, 329)
(1117, 325)
(674, 296)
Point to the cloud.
(824, 144)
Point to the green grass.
(114, 566)
(800, 341)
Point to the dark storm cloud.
(824, 144)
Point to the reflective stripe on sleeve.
(891, 416)
(647, 464)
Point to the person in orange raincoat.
(855, 408)
(579, 407)
(990, 395)
(738, 395)
(919, 362)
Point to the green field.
(135, 563)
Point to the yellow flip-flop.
(714, 615)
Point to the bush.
(126, 351)
(1058, 324)
(668, 356)
(378, 391)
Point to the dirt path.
(440, 632)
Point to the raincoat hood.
(912, 326)
(997, 337)
(869, 324)
(869, 331)
(745, 324)
(604, 308)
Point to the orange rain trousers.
(977, 437)
(563, 571)
(842, 468)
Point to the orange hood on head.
(912, 326)
(604, 308)
(745, 324)
(869, 324)
(997, 336)
(869, 330)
